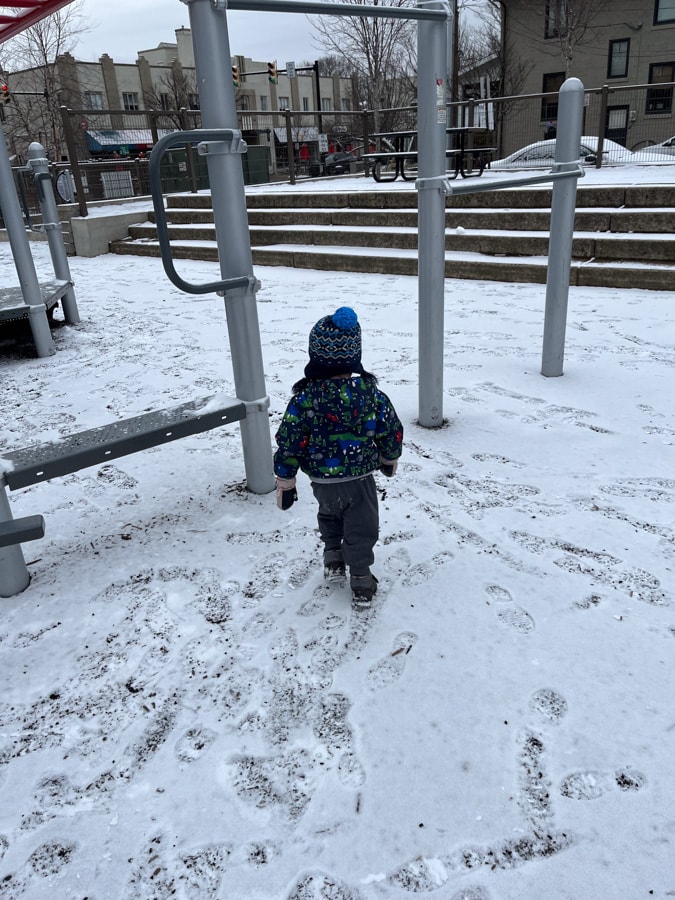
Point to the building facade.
(163, 78)
(618, 43)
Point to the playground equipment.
(220, 142)
(89, 448)
(34, 299)
(564, 176)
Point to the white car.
(667, 147)
(541, 155)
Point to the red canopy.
(18, 15)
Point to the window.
(347, 103)
(244, 102)
(664, 11)
(130, 101)
(305, 104)
(554, 18)
(264, 102)
(284, 103)
(165, 101)
(93, 100)
(549, 105)
(660, 100)
(617, 58)
(193, 100)
(325, 104)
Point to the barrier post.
(563, 204)
(216, 91)
(434, 49)
(23, 260)
(37, 161)
(14, 576)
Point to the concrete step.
(404, 262)
(620, 221)
(623, 234)
(612, 196)
(585, 246)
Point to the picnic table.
(387, 164)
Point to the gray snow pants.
(349, 521)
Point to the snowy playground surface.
(188, 711)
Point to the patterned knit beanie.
(335, 345)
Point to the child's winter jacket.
(336, 429)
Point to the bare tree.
(378, 51)
(571, 21)
(37, 90)
(174, 91)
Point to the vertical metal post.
(189, 152)
(434, 55)
(74, 161)
(366, 137)
(602, 123)
(563, 205)
(14, 576)
(214, 78)
(23, 260)
(290, 149)
(37, 161)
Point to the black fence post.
(74, 161)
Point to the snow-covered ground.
(188, 711)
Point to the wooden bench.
(41, 462)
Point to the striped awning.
(18, 15)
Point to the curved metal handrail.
(228, 135)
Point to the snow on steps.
(623, 235)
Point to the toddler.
(339, 428)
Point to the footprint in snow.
(391, 667)
(424, 571)
(194, 742)
(510, 615)
(591, 785)
(350, 771)
(549, 703)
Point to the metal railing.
(108, 149)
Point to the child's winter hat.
(335, 345)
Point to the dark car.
(338, 163)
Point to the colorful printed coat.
(337, 428)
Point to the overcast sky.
(124, 27)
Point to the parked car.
(338, 163)
(541, 154)
(667, 147)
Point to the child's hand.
(388, 466)
(286, 493)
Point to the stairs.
(623, 234)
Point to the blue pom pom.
(345, 318)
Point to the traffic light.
(272, 72)
(235, 76)
(5, 95)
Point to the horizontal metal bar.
(475, 188)
(308, 7)
(99, 445)
(16, 531)
(175, 139)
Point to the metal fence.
(108, 149)
(636, 117)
